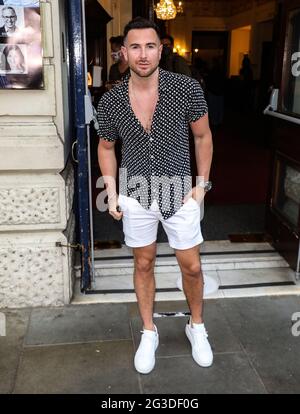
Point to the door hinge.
(70, 246)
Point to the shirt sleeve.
(106, 130)
(197, 106)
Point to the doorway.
(242, 160)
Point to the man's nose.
(143, 53)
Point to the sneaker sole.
(145, 372)
(203, 365)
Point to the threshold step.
(234, 283)
(125, 267)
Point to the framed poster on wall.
(21, 54)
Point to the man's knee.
(192, 270)
(144, 258)
(144, 264)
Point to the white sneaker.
(144, 360)
(201, 349)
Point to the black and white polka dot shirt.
(155, 165)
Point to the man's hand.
(113, 208)
(197, 193)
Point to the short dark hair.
(169, 37)
(9, 8)
(140, 23)
(117, 40)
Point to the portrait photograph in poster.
(21, 54)
(13, 59)
(11, 20)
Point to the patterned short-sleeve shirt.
(155, 164)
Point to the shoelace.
(199, 335)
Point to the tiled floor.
(90, 349)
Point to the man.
(120, 67)
(172, 61)
(9, 18)
(151, 111)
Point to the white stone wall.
(37, 184)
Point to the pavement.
(89, 349)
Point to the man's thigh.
(139, 225)
(189, 259)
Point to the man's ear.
(160, 49)
(124, 51)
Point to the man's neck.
(143, 84)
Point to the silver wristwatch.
(207, 185)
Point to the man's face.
(116, 52)
(142, 50)
(10, 18)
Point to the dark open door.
(78, 82)
(283, 214)
(79, 12)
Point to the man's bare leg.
(192, 280)
(144, 282)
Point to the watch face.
(208, 186)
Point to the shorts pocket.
(192, 203)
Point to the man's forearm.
(108, 167)
(204, 154)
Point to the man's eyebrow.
(138, 44)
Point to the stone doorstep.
(125, 266)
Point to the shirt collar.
(162, 84)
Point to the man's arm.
(203, 146)
(108, 166)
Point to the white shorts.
(140, 225)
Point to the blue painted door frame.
(78, 80)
